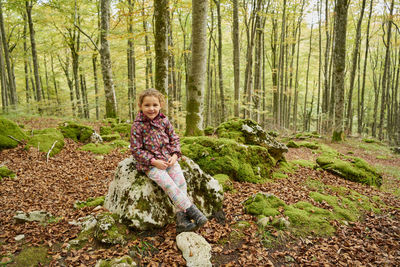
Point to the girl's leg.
(178, 197)
(176, 174)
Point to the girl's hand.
(172, 160)
(160, 164)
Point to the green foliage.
(225, 156)
(209, 130)
(5, 172)
(9, 128)
(90, 202)
(123, 129)
(105, 130)
(356, 170)
(75, 131)
(310, 145)
(44, 140)
(120, 144)
(262, 204)
(303, 163)
(369, 140)
(97, 148)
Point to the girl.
(156, 148)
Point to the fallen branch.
(15, 139)
(48, 153)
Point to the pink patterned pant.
(173, 183)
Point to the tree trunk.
(55, 83)
(11, 78)
(131, 62)
(339, 64)
(361, 105)
(26, 62)
(325, 94)
(194, 117)
(236, 59)
(220, 74)
(281, 66)
(34, 52)
(385, 75)
(149, 62)
(274, 72)
(65, 67)
(307, 74)
(353, 69)
(161, 45)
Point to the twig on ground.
(15, 139)
(48, 153)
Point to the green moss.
(292, 144)
(327, 150)
(76, 131)
(9, 128)
(31, 256)
(123, 129)
(279, 175)
(226, 156)
(303, 163)
(369, 140)
(90, 202)
(261, 204)
(225, 181)
(120, 144)
(338, 136)
(97, 148)
(356, 170)
(310, 145)
(345, 209)
(105, 130)
(315, 185)
(382, 157)
(5, 172)
(108, 230)
(287, 167)
(44, 140)
(209, 130)
(111, 137)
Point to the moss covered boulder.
(75, 131)
(44, 140)
(351, 168)
(304, 218)
(108, 230)
(9, 129)
(142, 203)
(244, 163)
(249, 132)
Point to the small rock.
(19, 237)
(100, 157)
(98, 208)
(34, 216)
(125, 261)
(96, 138)
(195, 249)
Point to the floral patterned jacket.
(153, 139)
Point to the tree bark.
(305, 124)
(194, 117)
(131, 62)
(149, 62)
(220, 74)
(111, 101)
(26, 62)
(339, 63)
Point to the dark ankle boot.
(183, 223)
(194, 213)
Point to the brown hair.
(151, 92)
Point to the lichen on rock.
(108, 230)
(249, 132)
(143, 205)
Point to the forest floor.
(73, 175)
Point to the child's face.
(150, 106)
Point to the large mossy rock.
(44, 139)
(352, 168)
(249, 132)
(75, 131)
(144, 206)
(244, 163)
(9, 128)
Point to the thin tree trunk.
(386, 74)
(353, 69)
(307, 75)
(361, 105)
(236, 58)
(281, 66)
(34, 52)
(26, 71)
(149, 62)
(220, 74)
(55, 82)
(111, 101)
(131, 64)
(11, 78)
